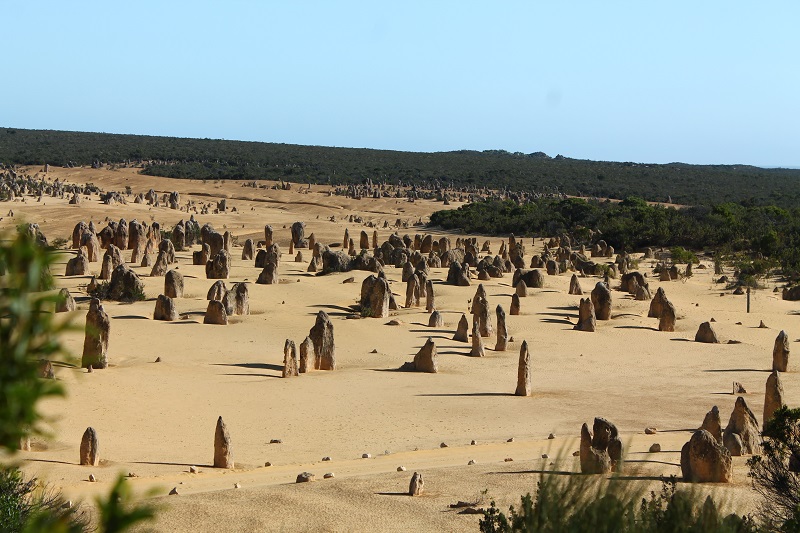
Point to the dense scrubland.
(496, 169)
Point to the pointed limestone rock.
(426, 359)
(601, 299)
(89, 448)
(306, 356)
(435, 320)
(713, 424)
(521, 289)
(502, 330)
(477, 342)
(417, 484)
(95, 343)
(222, 446)
(780, 353)
(290, 364)
(65, 303)
(165, 309)
(773, 398)
(741, 436)
(586, 317)
(514, 310)
(575, 286)
(667, 320)
(524, 372)
(705, 460)
(706, 334)
(322, 338)
(462, 332)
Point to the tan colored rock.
(600, 450)
(95, 344)
(773, 397)
(462, 331)
(78, 265)
(657, 303)
(165, 309)
(290, 363)
(667, 320)
(90, 446)
(219, 266)
(502, 330)
(780, 353)
(706, 334)
(417, 485)
(430, 298)
(173, 284)
(586, 317)
(480, 312)
(223, 456)
(65, 302)
(248, 250)
(741, 436)
(601, 300)
(575, 285)
(713, 424)
(375, 296)
(704, 460)
(521, 289)
(524, 372)
(322, 338)
(306, 356)
(477, 342)
(216, 314)
(217, 291)
(435, 320)
(426, 359)
(515, 306)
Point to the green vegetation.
(28, 334)
(756, 236)
(495, 169)
(578, 504)
(774, 472)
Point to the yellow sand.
(155, 420)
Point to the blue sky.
(698, 82)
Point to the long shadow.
(571, 315)
(681, 340)
(692, 430)
(564, 307)
(452, 352)
(736, 370)
(332, 313)
(260, 366)
(640, 478)
(636, 327)
(252, 375)
(556, 321)
(464, 394)
(553, 472)
(331, 306)
(651, 461)
(130, 317)
(187, 465)
(50, 461)
(392, 494)
(62, 364)
(179, 322)
(430, 330)
(501, 295)
(621, 315)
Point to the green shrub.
(578, 503)
(681, 255)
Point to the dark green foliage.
(679, 254)
(28, 333)
(496, 169)
(632, 224)
(579, 504)
(771, 474)
(27, 507)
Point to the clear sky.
(692, 81)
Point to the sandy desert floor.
(157, 419)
